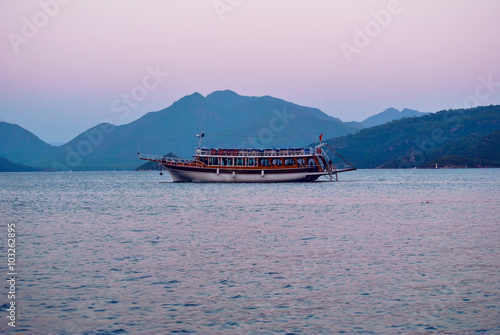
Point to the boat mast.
(201, 135)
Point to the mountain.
(231, 120)
(470, 151)
(8, 166)
(228, 120)
(354, 124)
(390, 114)
(19, 145)
(412, 142)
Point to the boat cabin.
(258, 158)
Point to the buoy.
(262, 173)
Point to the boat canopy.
(305, 151)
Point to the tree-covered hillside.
(412, 142)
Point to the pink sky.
(64, 79)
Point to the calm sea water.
(380, 252)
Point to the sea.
(378, 252)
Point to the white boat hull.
(235, 176)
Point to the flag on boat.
(321, 137)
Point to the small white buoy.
(217, 171)
(262, 173)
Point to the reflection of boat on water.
(254, 165)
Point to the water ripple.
(398, 252)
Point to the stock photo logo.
(138, 93)
(121, 107)
(266, 135)
(381, 19)
(31, 26)
(250, 167)
(428, 145)
(222, 7)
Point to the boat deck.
(253, 165)
(269, 152)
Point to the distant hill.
(413, 142)
(390, 114)
(460, 137)
(354, 124)
(228, 120)
(20, 146)
(470, 151)
(452, 162)
(8, 166)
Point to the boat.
(252, 165)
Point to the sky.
(66, 66)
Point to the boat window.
(240, 162)
(213, 161)
(230, 161)
(289, 162)
(311, 162)
(223, 161)
(251, 162)
(301, 162)
(277, 162)
(264, 162)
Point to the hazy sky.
(65, 66)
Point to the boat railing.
(342, 167)
(332, 168)
(162, 159)
(266, 152)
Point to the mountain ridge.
(241, 121)
(411, 142)
(8, 166)
(388, 115)
(14, 139)
(238, 121)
